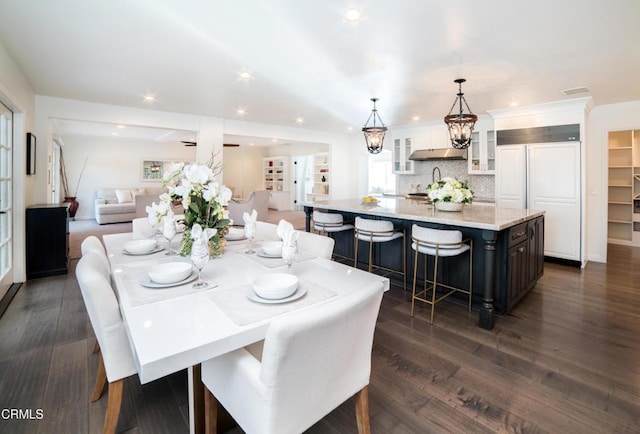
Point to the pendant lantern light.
(374, 135)
(461, 124)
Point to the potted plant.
(449, 194)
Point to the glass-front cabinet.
(401, 152)
(482, 153)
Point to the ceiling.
(307, 61)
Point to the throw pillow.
(137, 191)
(124, 196)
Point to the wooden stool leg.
(101, 379)
(96, 347)
(210, 413)
(113, 407)
(362, 411)
(415, 275)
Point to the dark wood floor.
(566, 360)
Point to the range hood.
(438, 154)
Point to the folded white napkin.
(201, 236)
(250, 219)
(286, 232)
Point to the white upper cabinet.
(407, 140)
(482, 152)
(401, 151)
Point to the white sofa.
(116, 205)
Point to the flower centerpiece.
(203, 200)
(449, 194)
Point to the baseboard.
(6, 300)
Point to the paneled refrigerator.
(545, 176)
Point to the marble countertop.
(471, 216)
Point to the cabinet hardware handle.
(521, 249)
(519, 234)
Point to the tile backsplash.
(481, 185)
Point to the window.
(381, 177)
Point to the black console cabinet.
(47, 240)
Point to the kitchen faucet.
(433, 174)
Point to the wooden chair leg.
(96, 347)
(113, 407)
(210, 413)
(101, 379)
(362, 411)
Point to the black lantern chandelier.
(374, 135)
(460, 124)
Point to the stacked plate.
(275, 288)
(271, 249)
(169, 274)
(235, 234)
(141, 247)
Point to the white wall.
(243, 169)
(16, 93)
(602, 119)
(113, 163)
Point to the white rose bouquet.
(450, 190)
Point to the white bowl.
(170, 272)
(235, 234)
(275, 286)
(140, 246)
(272, 248)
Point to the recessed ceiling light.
(300, 120)
(274, 140)
(244, 75)
(513, 104)
(250, 144)
(120, 126)
(352, 14)
(416, 118)
(114, 134)
(149, 98)
(349, 128)
(241, 112)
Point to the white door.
(511, 176)
(6, 191)
(554, 186)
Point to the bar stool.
(379, 231)
(438, 243)
(325, 223)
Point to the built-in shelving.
(321, 177)
(623, 204)
(276, 181)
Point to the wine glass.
(169, 233)
(200, 257)
(250, 232)
(289, 252)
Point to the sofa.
(117, 205)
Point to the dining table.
(177, 327)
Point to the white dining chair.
(316, 245)
(141, 228)
(93, 244)
(116, 359)
(267, 231)
(311, 362)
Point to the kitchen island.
(508, 245)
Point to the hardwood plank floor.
(565, 360)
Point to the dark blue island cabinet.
(508, 246)
(47, 240)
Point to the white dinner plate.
(155, 250)
(148, 283)
(262, 254)
(251, 295)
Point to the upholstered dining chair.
(116, 359)
(93, 244)
(267, 231)
(315, 244)
(311, 361)
(258, 200)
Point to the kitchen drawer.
(518, 234)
